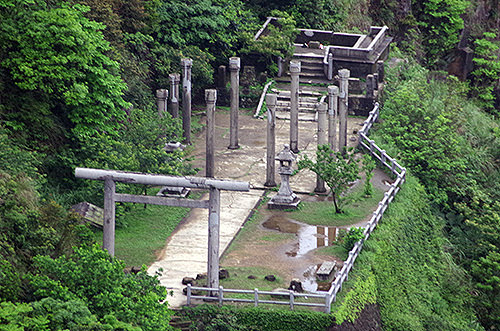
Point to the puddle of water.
(311, 284)
(309, 236)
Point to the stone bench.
(325, 270)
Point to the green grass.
(277, 236)
(145, 233)
(334, 250)
(238, 279)
(356, 207)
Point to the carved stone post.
(234, 67)
(322, 107)
(333, 94)
(174, 94)
(108, 241)
(213, 238)
(221, 76)
(161, 101)
(330, 66)
(343, 107)
(271, 100)
(280, 67)
(210, 98)
(370, 86)
(294, 106)
(186, 64)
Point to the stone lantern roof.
(286, 155)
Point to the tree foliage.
(60, 53)
(487, 71)
(92, 276)
(335, 168)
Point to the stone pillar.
(370, 86)
(108, 241)
(210, 98)
(174, 94)
(271, 100)
(221, 76)
(330, 66)
(161, 101)
(343, 107)
(294, 106)
(234, 67)
(380, 70)
(333, 94)
(213, 238)
(280, 66)
(186, 64)
(375, 78)
(322, 107)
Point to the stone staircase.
(313, 85)
(307, 104)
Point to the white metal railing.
(261, 100)
(326, 297)
(397, 170)
(217, 295)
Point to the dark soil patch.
(369, 320)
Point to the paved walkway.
(185, 253)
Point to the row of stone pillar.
(330, 115)
(162, 96)
(337, 105)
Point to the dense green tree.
(60, 55)
(486, 73)
(97, 279)
(335, 168)
(441, 22)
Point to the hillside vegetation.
(77, 82)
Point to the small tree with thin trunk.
(335, 169)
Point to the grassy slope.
(418, 287)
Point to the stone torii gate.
(110, 177)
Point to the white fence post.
(189, 295)
(221, 295)
(292, 299)
(256, 297)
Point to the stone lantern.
(285, 199)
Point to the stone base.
(282, 205)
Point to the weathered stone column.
(221, 76)
(343, 107)
(174, 94)
(186, 64)
(234, 67)
(370, 86)
(108, 241)
(333, 94)
(330, 66)
(271, 100)
(294, 106)
(161, 101)
(322, 107)
(210, 98)
(375, 78)
(280, 66)
(213, 238)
